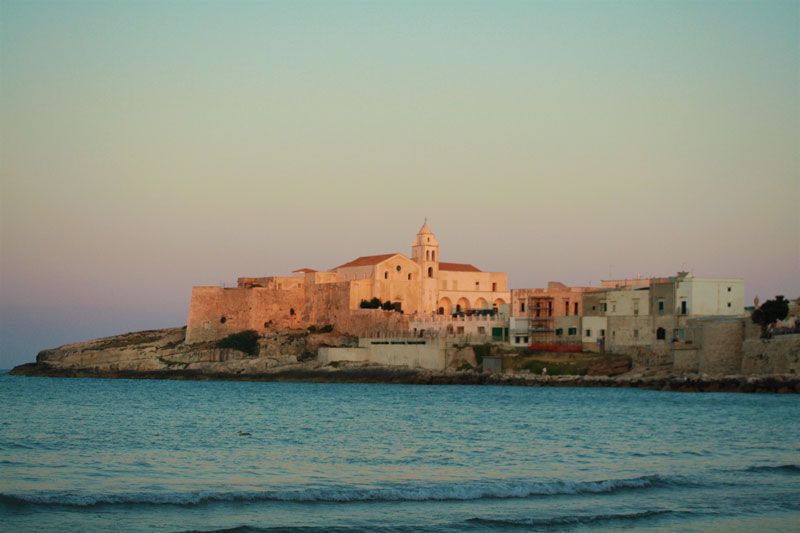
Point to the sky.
(146, 147)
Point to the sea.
(161, 455)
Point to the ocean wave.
(570, 520)
(422, 492)
(775, 468)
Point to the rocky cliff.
(291, 356)
(165, 352)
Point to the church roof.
(458, 267)
(366, 260)
(425, 229)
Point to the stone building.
(655, 313)
(417, 286)
(625, 315)
(547, 315)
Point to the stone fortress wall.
(215, 312)
(420, 287)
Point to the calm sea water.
(83, 454)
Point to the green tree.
(770, 312)
(375, 303)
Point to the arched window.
(433, 256)
(661, 334)
(430, 272)
(427, 255)
(409, 277)
(291, 311)
(386, 275)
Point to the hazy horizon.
(149, 147)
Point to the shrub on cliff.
(481, 351)
(245, 341)
(322, 329)
(770, 312)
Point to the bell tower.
(425, 252)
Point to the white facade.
(711, 297)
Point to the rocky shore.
(365, 373)
(290, 356)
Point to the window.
(613, 334)
(729, 289)
(572, 331)
(566, 308)
(602, 333)
(409, 277)
(494, 287)
(613, 308)
(398, 268)
(430, 272)
(522, 307)
(517, 340)
(603, 306)
(427, 255)
(660, 307)
(525, 340)
(433, 256)
(636, 334)
(661, 334)
(291, 311)
(477, 285)
(386, 275)
(684, 307)
(576, 309)
(559, 332)
(635, 307)
(588, 333)
(729, 304)
(222, 320)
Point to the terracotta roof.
(458, 267)
(304, 270)
(366, 260)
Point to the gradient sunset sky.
(151, 146)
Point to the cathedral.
(423, 283)
(417, 285)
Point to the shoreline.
(784, 384)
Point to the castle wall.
(215, 312)
(778, 355)
(720, 345)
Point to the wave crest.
(427, 492)
(775, 468)
(571, 520)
